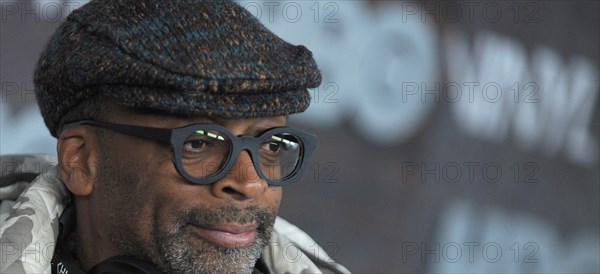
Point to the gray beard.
(177, 250)
(179, 254)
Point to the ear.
(78, 159)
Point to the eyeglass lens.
(206, 152)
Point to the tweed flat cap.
(181, 57)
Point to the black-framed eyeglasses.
(205, 153)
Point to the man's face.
(151, 212)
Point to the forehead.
(150, 118)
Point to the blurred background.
(454, 136)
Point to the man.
(170, 118)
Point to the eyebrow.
(256, 129)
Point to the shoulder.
(31, 201)
(291, 250)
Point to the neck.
(93, 244)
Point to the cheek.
(168, 194)
(141, 194)
(149, 202)
(273, 195)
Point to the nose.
(242, 182)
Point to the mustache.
(228, 213)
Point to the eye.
(272, 147)
(195, 145)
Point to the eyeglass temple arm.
(158, 134)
